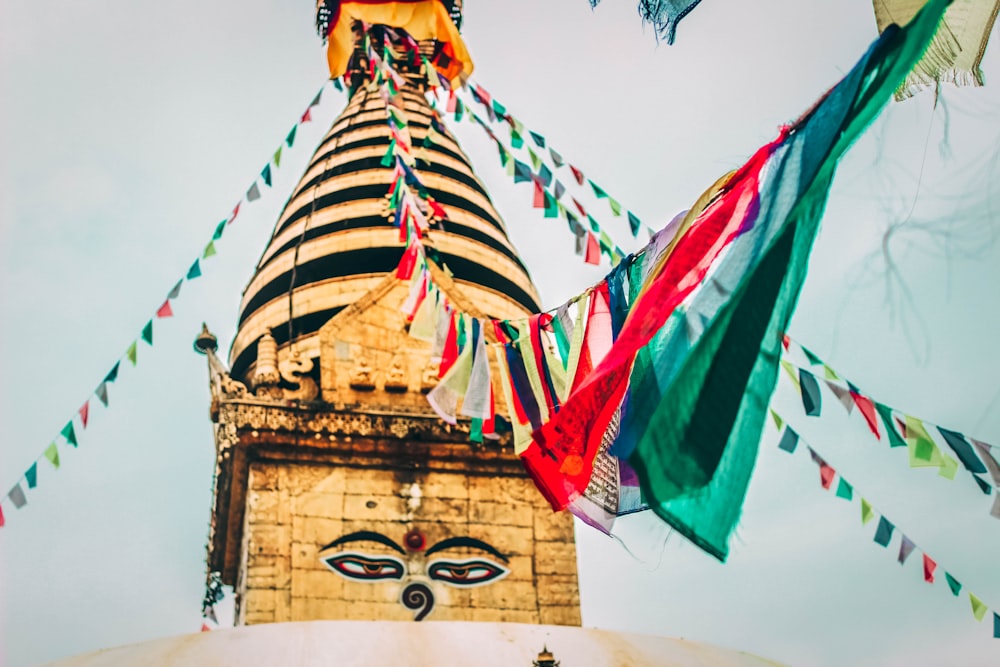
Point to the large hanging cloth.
(422, 19)
(957, 50)
(693, 430)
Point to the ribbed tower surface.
(334, 241)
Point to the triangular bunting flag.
(265, 174)
(52, 454)
(598, 192)
(634, 223)
(996, 625)
(953, 584)
(616, 208)
(113, 373)
(866, 511)
(253, 194)
(165, 310)
(209, 250)
(885, 412)
(929, 567)
(147, 332)
(978, 607)
(593, 252)
(219, 229)
(778, 421)
(842, 394)
(131, 352)
(102, 393)
(277, 156)
(317, 98)
(290, 139)
(338, 85)
(175, 291)
(307, 116)
(557, 159)
(577, 174)
(31, 475)
(84, 412)
(537, 138)
(194, 271)
(69, 432)
(845, 490)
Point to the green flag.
(277, 157)
(598, 192)
(290, 139)
(147, 332)
(953, 584)
(209, 250)
(536, 161)
(867, 514)
(616, 208)
(778, 421)
(52, 454)
(844, 490)
(69, 433)
(978, 607)
(219, 229)
(131, 353)
(885, 412)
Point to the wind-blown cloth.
(421, 19)
(955, 54)
(663, 14)
(696, 403)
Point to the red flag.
(164, 310)
(826, 474)
(205, 628)
(580, 208)
(577, 174)
(785, 340)
(929, 567)
(593, 255)
(307, 116)
(451, 102)
(867, 409)
(450, 353)
(2, 522)
(407, 263)
(232, 216)
(85, 412)
(439, 211)
(489, 425)
(539, 201)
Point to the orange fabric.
(422, 19)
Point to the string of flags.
(926, 450)
(69, 434)
(214, 594)
(885, 529)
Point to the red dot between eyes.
(414, 540)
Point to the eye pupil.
(371, 568)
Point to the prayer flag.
(929, 567)
(522, 172)
(558, 190)
(147, 332)
(84, 412)
(537, 138)
(845, 490)
(577, 174)
(17, 497)
(778, 421)
(307, 116)
(113, 373)
(194, 271)
(449, 354)
(102, 393)
(209, 250)
(316, 99)
(978, 607)
(290, 139)
(843, 395)
(175, 291)
(165, 310)
(593, 252)
(996, 625)
(826, 471)
(52, 454)
(598, 191)
(884, 531)
(962, 448)
(277, 157)
(69, 433)
(31, 475)
(885, 412)
(266, 174)
(789, 440)
(557, 159)
(2, 521)
(253, 194)
(536, 161)
(905, 549)
(866, 512)
(634, 223)
(811, 398)
(953, 584)
(868, 410)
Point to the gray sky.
(130, 129)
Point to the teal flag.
(69, 433)
(695, 410)
(147, 332)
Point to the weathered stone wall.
(295, 509)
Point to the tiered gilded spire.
(336, 239)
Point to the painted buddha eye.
(366, 568)
(474, 572)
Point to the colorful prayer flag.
(953, 584)
(812, 400)
(906, 547)
(290, 139)
(31, 475)
(209, 250)
(131, 352)
(69, 433)
(52, 454)
(883, 534)
(929, 567)
(265, 174)
(102, 393)
(253, 194)
(84, 413)
(165, 310)
(978, 607)
(17, 496)
(147, 332)
(194, 271)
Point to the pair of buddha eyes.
(470, 572)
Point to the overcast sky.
(131, 128)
